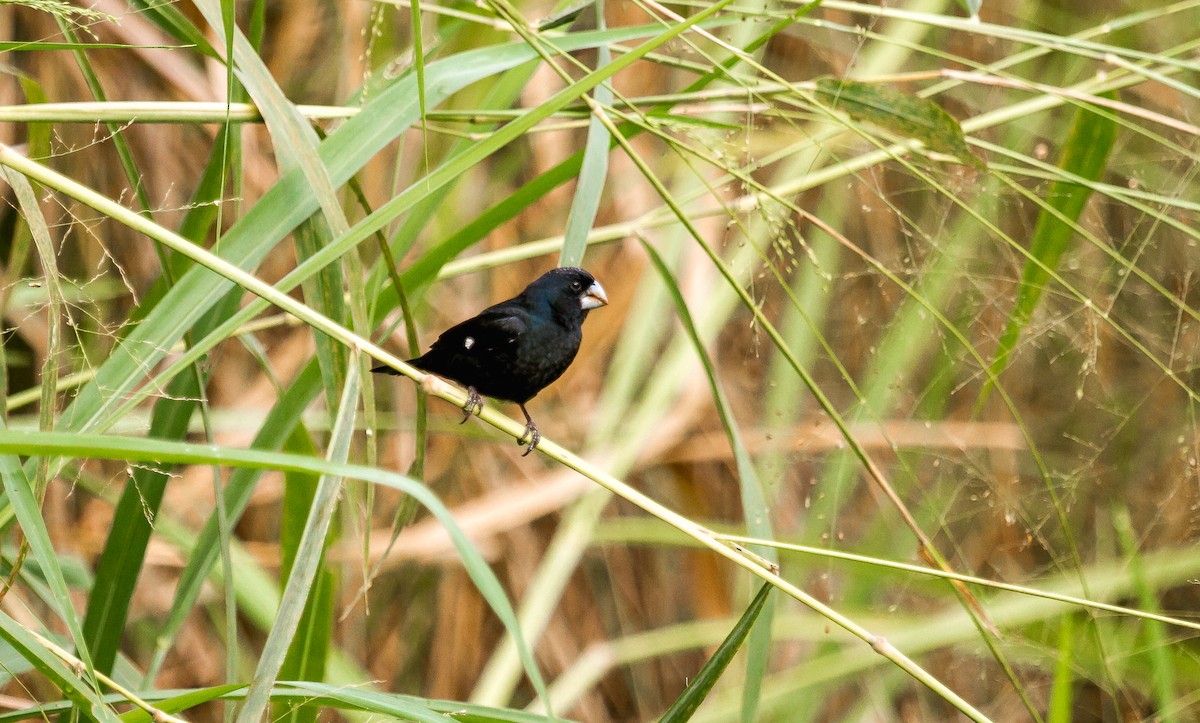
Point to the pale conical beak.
(594, 298)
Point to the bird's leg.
(474, 404)
(531, 431)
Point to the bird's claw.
(474, 404)
(533, 435)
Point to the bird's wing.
(495, 329)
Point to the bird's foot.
(474, 404)
(533, 436)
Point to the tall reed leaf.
(698, 688)
(1084, 156)
(594, 170)
(754, 502)
(906, 115)
(307, 559)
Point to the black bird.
(513, 350)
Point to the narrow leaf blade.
(686, 704)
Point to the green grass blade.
(390, 706)
(182, 702)
(566, 13)
(25, 497)
(203, 211)
(1160, 665)
(698, 689)
(168, 17)
(37, 134)
(906, 115)
(395, 706)
(9, 46)
(324, 292)
(418, 47)
(294, 140)
(124, 549)
(120, 143)
(309, 650)
(594, 170)
(39, 231)
(21, 242)
(351, 700)
(503, 92)
(29, 517)
(308, 556)
(82, 695)
(347, 699)
(425, 269)
(1085, 154)
(1062, 692)
(755, 510)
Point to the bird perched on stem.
(513, 350)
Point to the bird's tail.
(385, 369)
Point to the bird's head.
(569, 291)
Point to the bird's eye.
(576, 286)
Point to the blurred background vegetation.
(888, 281)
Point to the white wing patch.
(469, 342)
